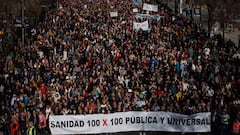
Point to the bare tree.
(211, 7)
(220, 10)
(32, 8)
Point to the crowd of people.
(83, 61)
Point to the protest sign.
(147, 16)
(135, 10)
(150, 7)
(137, 2)
(142, 25)
(129, 121)
(113, 14)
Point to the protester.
(14, 127)
(31, 129)
(42, 124)
(236, 127)
(82, 61)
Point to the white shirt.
(206, 51)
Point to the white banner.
(113, 14)
(150, 7)
(152, 17)
(129, 121)
(143, 25)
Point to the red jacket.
(14, 128)
(42, 123)
(43, 89)
(236, 127)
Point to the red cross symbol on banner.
(104, 122)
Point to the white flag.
(150, 7)
(143, 25)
